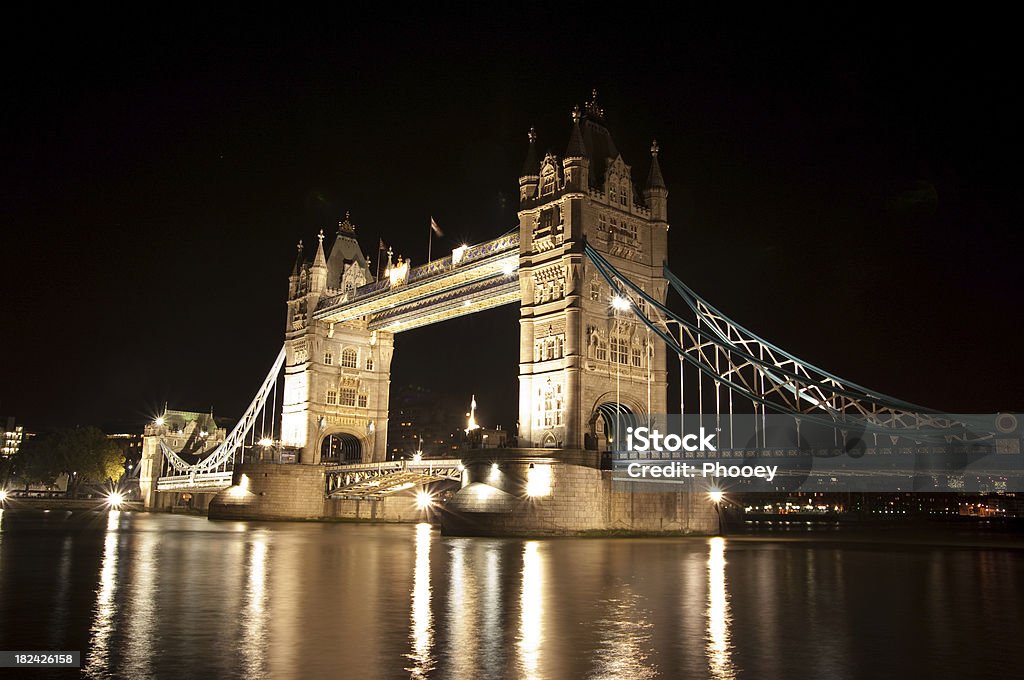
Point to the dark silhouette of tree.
(84, 454)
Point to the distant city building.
(131, 447)
(423, 420)
(14, 435)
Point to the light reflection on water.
(169, 596)
(719, 645)
(531, 610)
(97, 662)
(421, 627)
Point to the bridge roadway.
(471, 279)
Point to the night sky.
(850, 192)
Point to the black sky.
(846, 186)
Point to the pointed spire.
(654, 178)
(298, 261)
(530, 167)
(576, 147)
(320, 260)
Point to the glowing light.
(424, 499)
(509, 268)
(266, 441)
(115, 499)
(241, 489)
(459, 253)
(3, 495)
(538, 480)
(715, 495)
(159, 421)
(620, 303)
(718, 642)
(531, 607)
(421, 628)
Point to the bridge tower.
(584, 365)
(337, 375)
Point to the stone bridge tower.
(583, 365)
(337, 376)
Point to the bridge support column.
(535, 492)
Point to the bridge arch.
(339, 446)
(606, 413)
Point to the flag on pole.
(436, 229)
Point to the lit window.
(349, 358)
(620, 351)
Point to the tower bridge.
(588, 267)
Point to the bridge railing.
(480, 251)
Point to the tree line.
(84, 454)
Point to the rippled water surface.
(181, 597)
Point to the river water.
(170, 596)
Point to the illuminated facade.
(582, 363)
(14, 435)
(581, 360)
(337, 375)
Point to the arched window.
(328, 358)
(369, 363)
(349, 358)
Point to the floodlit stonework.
(583, 364)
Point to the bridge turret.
(346, 265)
(530, 176)
(655, 193)
(293, 279)
(577, 161)
(318, 272)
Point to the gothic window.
(369, 363)
(602, 350)
(328, 358)
(595, 290)
(602, 222)
(549, 406)
(547, 182)
(362, 401)
(349, 358)
(348, 396)
(637, 356)
(332, 397)
(620, 350)
(622, 195)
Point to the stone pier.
(504, 492)
(558, 492)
